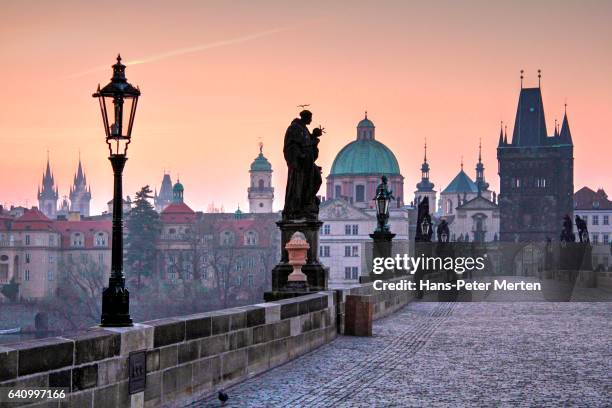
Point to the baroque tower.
(80, 193)
(48, 195)
(261, 192)
(536, 173)
(425, 188)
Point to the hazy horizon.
(218, 78)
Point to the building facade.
(595, 209)
(536, 174)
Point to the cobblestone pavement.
(452, 355)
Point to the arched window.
(227, 238)
(100, 239)
(76, 239)
(260, 183)
(250, 238)
(449, 206)
(338, 191)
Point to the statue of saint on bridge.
(567, 234)
(304, 176)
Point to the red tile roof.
(86, 227)
(32, 220)
(178, 213)
(587, 199)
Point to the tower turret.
(80, 194)
(48, 194)
(425, 188)
(260, 192)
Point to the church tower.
(48, 195)
(481, 184)
(425, 188)
(536, 174)
(261, 192)
(80, 193)
(164, 198)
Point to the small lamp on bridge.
(382, 199)
(425, 227)
(118, 101)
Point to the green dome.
(365, 156)
(365, 123)
(178, 187)
(261, 164)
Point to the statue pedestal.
(316, 273)
(382, 248)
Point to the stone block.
(233, 364)
(271, 311)
(298, 345)
(8, 363)
(315, 319)
(198, 326)
(278, 351)
(152, 392)
(44, 355)
(112, 371)
(137, 337)
(255, 316)
(168, 357)
(306, 323)
(176, 380)
(84, 377)
(237, 321)
(214, 345)
(83, 399)
(95, 345)
(61, 379)
(239, 339)
(206, 373)
(282, 329)
(295, 326)
(188, 351)
(106, 396)
(152, 360)
(288, 309)
(167, 331)
(220, 323)
(258, 359)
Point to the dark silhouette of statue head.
(306, 116)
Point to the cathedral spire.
(501, 134)
(480, 178)
(425, 184)
(565, 137)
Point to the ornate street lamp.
(383, 199)
(425, 227)
(118, 102)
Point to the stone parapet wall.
(186, 357)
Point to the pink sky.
(221, 76)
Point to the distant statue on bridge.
(583, 232)
(567, 234)
(442, 231)
(304, 176)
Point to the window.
(449, 206)
(27, 275)
(250, 238)
(606, 220)
(586, 219)
(338, 191)
(239, 281)
(27, 258)
(51, 240)
(4, 273)
(354, 250)
(100, 239)
(351, 251)
(347, 230)
(324, 251)
(595, 220)
(326, 229)
(27, 239)
(51, 258)
(251, 279)
(50, 276)
(347, 251)
(606, 238)
(594, 238)
(351, 272)
(227, 238)
(355, 229)
(360, 193)
(76, 239)
(261, 184)
(351, 229)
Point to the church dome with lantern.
(357, 168)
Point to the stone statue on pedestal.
(304, 176)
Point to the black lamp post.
(118, 102)
(382, 235)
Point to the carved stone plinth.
(316, 273)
